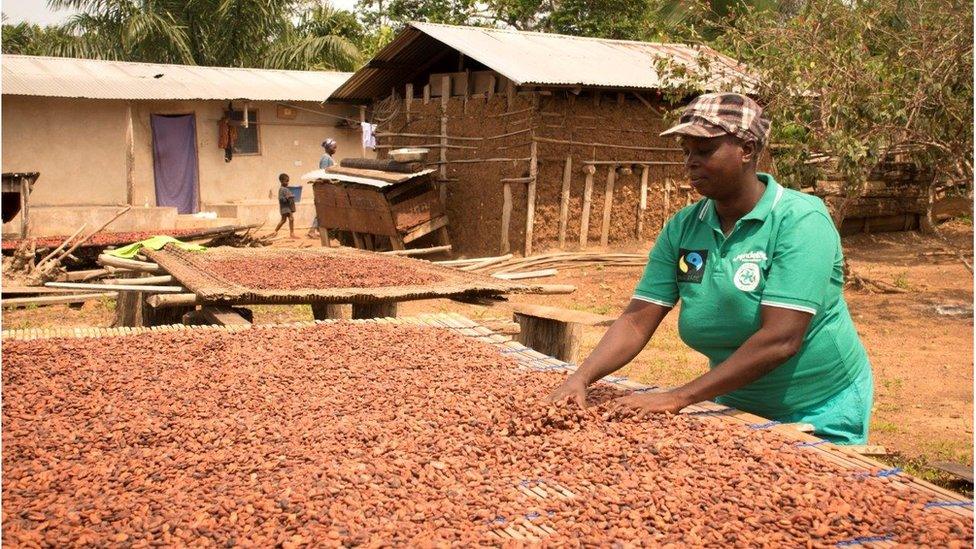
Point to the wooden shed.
(541, 140)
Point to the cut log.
(328, 311)
(527, 274)
(118, 287)
(553, 331)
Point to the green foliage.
(859, 81)
(281, 34)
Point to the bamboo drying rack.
(938, 499)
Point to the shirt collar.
(771, 196)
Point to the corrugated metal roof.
(534, 58)
(96, 79)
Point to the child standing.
(286, 205)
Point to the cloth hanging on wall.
(369, 135)
(227, 138)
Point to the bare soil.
(350, 435)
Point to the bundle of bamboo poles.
(507, 266)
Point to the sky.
(36, 11)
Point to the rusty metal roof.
(535, 58)
(96, 79)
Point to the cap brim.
(694, 129)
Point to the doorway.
(175, 166)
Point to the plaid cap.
(715, 114)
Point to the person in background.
(325, 162)
(286, 205)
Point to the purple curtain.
(175, 161)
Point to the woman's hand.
(573, 389)
(667, 402)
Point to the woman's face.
(716, 164)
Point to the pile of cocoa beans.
(370, 434)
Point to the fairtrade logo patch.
(691, 265)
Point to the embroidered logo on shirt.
(691, 265)
(746, 278)
(755, 256)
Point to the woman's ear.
(749, 152)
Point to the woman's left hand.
(652, 403)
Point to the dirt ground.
(922, 360)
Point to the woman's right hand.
(573, 389)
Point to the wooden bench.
(554, 331)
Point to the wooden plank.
(955, 469)
(425, 228)
(389, 177)
(223, 316)
(642, 205)
(54, 300)
(426, 94)
(607, 206)
(510, 94)
(420, 251)
(563, 315)
(530, 196)
(585, 215)
(505, 245)
(564, 200)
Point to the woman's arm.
(778, 339)
(626, 338)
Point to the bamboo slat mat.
(936, 499)
(192, 270)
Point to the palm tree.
(229, 33)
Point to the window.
(247, 138)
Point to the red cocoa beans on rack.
(371, 434)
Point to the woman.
(758, 270)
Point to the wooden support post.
(530, 195)
(564, 200)
(596, 98)
(492, 82)
(24, 205)
(620, 98)
(642, 205)
(396, 243)
(374, 310)
(357, 240)
(426, 94)
(326, 311)
(324, 236)
(585, 214)
(445, 97)
(553, 331)
(607, 205)
(506, 216)
(362, 118)
(556, 339)
(510, 94)
(408, 100)
(130, 156)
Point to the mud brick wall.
(475, 196)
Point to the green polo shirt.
(785, 253)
